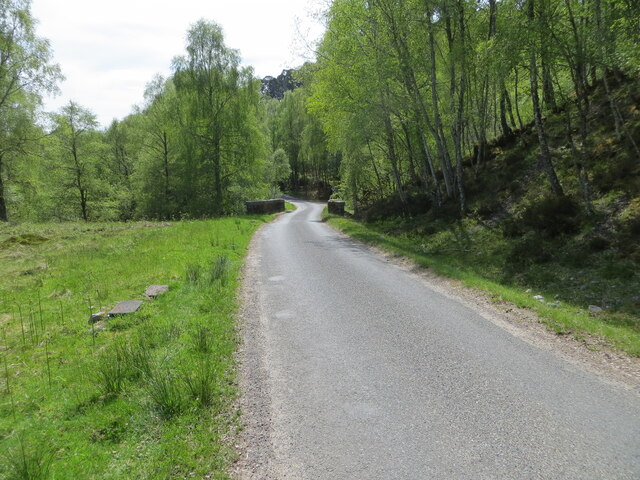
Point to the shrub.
(628, 231)
(528, 249)
(549, 216)
(392, 207)
(552, 215)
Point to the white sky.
(109, 50)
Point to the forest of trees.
(402, 92)
(203, 141)
(407, 89)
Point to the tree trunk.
(3, 205)
(165, 161)
(619, 123)
(507, 99)
(506, 129)
(79, 170)
(412, 88)
(217, 177)
(520, 123)
(484, 101)
(375, 169)
(389, 137)
(411, 153)
(459, 126)
(549, 97)
(548, 94)
(84, 204)
(439, 137)
(545, 153)
(429, 168)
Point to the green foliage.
(223, 147)
(25, 74)
(411, 104)
(78, 150)
(184, 154)
(298, 135)
(279, 170)
(549, 216)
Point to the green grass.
(144, 396)
(477, 257)
(289, 206)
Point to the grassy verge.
(289, 206)
(142, 396)
(476, 257)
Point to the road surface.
(354, 369)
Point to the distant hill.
(275, 87)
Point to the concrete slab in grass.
(125, 308)
(156, 290)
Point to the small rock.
(595, 309)
(540, 298)
(528, 290)
(635, 299)
(97, 317)
(556, 296)
(553, 304)
(156, 290)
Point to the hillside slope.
(518, 235)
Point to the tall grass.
(219, 269)
(171, 359)
(165, 392)
(111, 372)
(202, 341)
(202, 383)
(28, 460)
(193, 274)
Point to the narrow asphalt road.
(357, 370)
